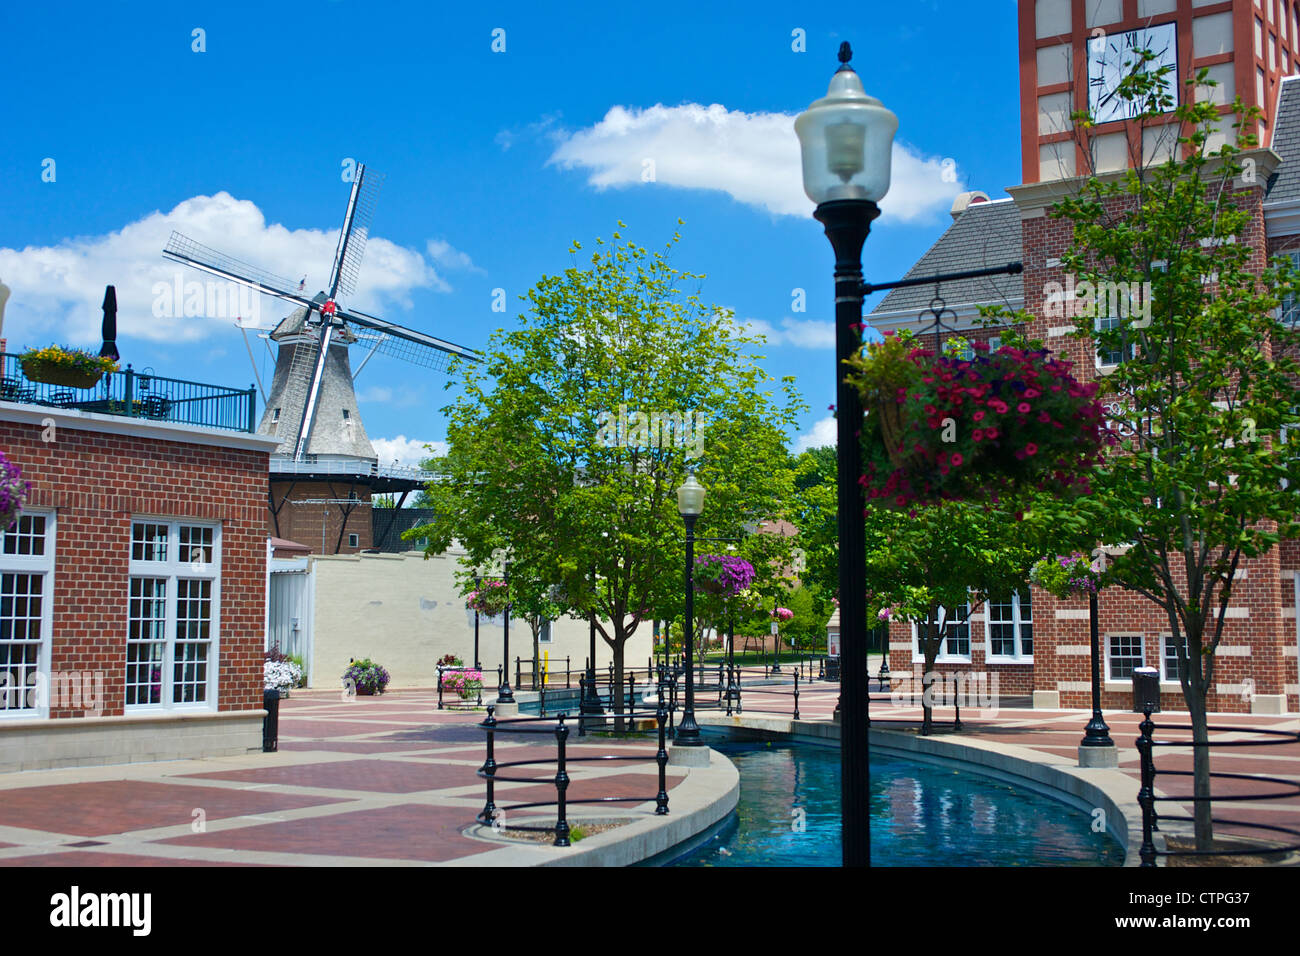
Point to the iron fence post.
(796, 694)
(1146, 796)
(489, 767)
(252, 409)
(561, 784)
(661, 758)
(440, 687)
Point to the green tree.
(924, 564)
(551, 458)
(1207, 380)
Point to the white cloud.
(823, 433)
(406, 451)
(801, 333)
(753, 157)
(444, 254)
(57, 289)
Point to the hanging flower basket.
(490, 599)
(13, 492)
(1067, 576)
(723, 575)
(951, 428)
(69, 367)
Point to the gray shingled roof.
(1285, 182)
(987, 234)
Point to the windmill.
(312, 405)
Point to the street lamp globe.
(847, 139)
(690, 498)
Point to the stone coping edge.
(1086, 789)
(705, 796)
(47, 725)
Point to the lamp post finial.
(846, 54)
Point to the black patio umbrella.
(109, 348)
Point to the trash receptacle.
(271, 722)
(1146, 690)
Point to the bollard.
(1146, 795)
(661, 758)
(271, 722)
(489, 767)
(561, 784)
(796, 694)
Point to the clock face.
(1111, 58)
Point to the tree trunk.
(616, 692)
(1201, 771)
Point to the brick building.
(1070, 52)
(132, 587)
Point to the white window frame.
(1142, 650)
(943, 657)
(545, 634)
(175, 569)
(1132, 346)
(1165, 676)
(1020, 657)
(43, 565)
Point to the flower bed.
(950, 428)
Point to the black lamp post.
(478, 586)
(690, 502)
(1096, 734)
(846, 139)
(504, 694)
(776, 640)
(590, 703)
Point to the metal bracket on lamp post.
(937, 306)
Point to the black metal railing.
(444, 670)
(493, 815)
(133, 394)
(1147, 799)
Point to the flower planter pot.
(890, 415)
(52, 374)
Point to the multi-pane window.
(1112, 356)
(1290, 314)
(26, 570)
(1011, 626)
(956, 632)
(1169, 658)
(172, 614)
(1124, 654)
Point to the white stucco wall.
(405, 613)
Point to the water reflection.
(921, 815)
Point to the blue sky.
(494, 162)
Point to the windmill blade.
(409, 345)
(183, 249)
(355, 232)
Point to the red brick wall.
(97, 482)
(303, 522)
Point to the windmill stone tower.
(338, 433)
(325, 468)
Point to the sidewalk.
(374, 781)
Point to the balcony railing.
(131, 394)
